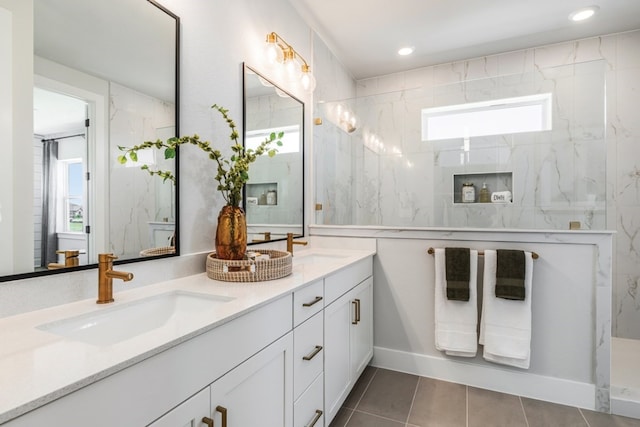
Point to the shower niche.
(499, 186)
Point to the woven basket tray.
(247, 270)
(162, 250)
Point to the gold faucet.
(267, 237)
(70, 259)
(291, 242)
(106, 274)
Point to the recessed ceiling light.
(406, 51)
(584, 13)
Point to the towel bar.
(431, 251)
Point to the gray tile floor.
(383, 398)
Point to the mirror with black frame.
(105, 75)
(274, 195)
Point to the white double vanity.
(195, 351)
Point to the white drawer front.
(341, 282)
(307, 411)
(307, 302)
(308, 353)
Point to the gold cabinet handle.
(315, 419)
(357, 310)
(315, 301)
(208, 421)
(223, 411)
(313, 354)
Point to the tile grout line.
(346, 423)
(584, 418)
(466, 390)
(377, 416)
(413, 399)
(526, 420)
(365, 389)
(375, 372)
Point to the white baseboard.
(550, 389)
(625, 401)
(626, 408)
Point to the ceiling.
(57, 113)
(107, 39)
(365, 35)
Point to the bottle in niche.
(272, 197)
(485, 197)
(262, 199)
(468, 193)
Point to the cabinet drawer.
(341, 282)
(307, 411)
(308, 353)
(307, 302)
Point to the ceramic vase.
(231, 233)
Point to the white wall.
(16, 162)
(216, 38)
(570, 304)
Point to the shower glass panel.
(382, 173)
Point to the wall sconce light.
(278, 51)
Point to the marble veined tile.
(628, 54)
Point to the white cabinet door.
(191, 413)
(259, 392)
(337, 324)
(348, 339)
(362, 329)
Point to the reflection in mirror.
(274, 194)
(95, 89)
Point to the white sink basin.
(315, 258)
(121, 322)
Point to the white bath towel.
(456, 322)
(505, 327)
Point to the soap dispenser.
(485, 197)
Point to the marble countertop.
(37, 367)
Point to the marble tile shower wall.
(135, 118)
(332, 149)
(558, 176)
(555, 175)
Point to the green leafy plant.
(232, 174)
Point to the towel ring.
(432, 251)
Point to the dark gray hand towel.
(510, 274)
(457, 272)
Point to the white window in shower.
(290, 141)
(496, 117)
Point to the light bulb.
(272, 52)
(291, 70)
(307, 81)
(291, 67)
(264, 82)
(281, 93)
